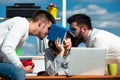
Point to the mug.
(112, 69)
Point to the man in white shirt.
(95, 38)
(13, 33)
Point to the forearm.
(11, 56)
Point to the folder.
(57, 32)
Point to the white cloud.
(104, 24)
(90, 9)
(100, 16)
(94, 9)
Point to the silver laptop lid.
(87, 61)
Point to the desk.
(71, 78)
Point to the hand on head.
(59, 46)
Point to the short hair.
(42, 14)
(80, 19)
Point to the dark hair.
(51, 44)
(42, 14)
(80, 19)
(73, 38)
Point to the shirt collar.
(88, 36)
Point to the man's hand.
(27, 69)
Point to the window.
(29, 48)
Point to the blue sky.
(105, 14)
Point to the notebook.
(57, 32)
(87, 61)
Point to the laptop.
(87, 61)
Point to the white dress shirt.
(103, 39)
